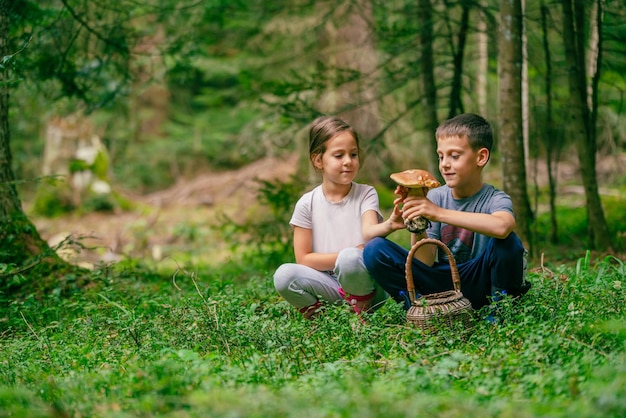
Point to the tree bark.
(482, 65)
(20, 242)
(525, 108)
(582, 119)
(349, 47)
(427, 79)
(552, 141)
(456, 103)
(510, 121)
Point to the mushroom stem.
(415, 183)
(417, 191)
(419, 224)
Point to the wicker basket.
(429, 312)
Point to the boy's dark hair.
(471, 126)
(324, 128)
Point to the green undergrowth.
(572, 236)
(206, 343)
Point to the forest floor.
(161, 218)
(164, 218)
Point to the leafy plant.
(213, 343)
(267, 235)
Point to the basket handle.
(410, 284)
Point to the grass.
(214, 343)
(216, 340)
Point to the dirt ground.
(150, 228)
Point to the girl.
(331, 225)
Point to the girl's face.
(340, 162)
(460, 165)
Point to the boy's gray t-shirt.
(335, 225)
(465, 244)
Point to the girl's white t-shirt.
(335, 225)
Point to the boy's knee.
(374, 244)
(372, 248)
(509, 247)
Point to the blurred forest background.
(117, 107)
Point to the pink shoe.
(312, 311)
(359, 304)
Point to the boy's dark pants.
(500, 266)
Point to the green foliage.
(199, 137)
(98, 203)
(137, 343)
(144, 171)
(572, 224)
(77, 165)
(267, 235)
(616, 219)
(385, 197)
(29, 266)
(50, 200)
(14, 277)
(242, 77)
(214, 137)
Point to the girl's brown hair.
(323, 129)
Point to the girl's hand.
(401, 191)
(395, 219)
(410, 207)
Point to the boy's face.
(460, 166)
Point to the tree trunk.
(20, 243)
(525, 109)
(482, 65)
(456, 104)
(349, 47)
(427, 78)
(510, 122)
(552, 141)
(581, 118)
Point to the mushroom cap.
(415, 178)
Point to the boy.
(474, 219)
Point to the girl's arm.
(303, 249)
(370, 228)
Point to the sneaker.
(360, 304)
(312, 311)
(494, 316)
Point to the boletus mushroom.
(415, 182)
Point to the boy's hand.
(415, 206)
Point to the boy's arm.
(426, 253)
(303, 249)
(497, 224)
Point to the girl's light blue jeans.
(303, 286)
